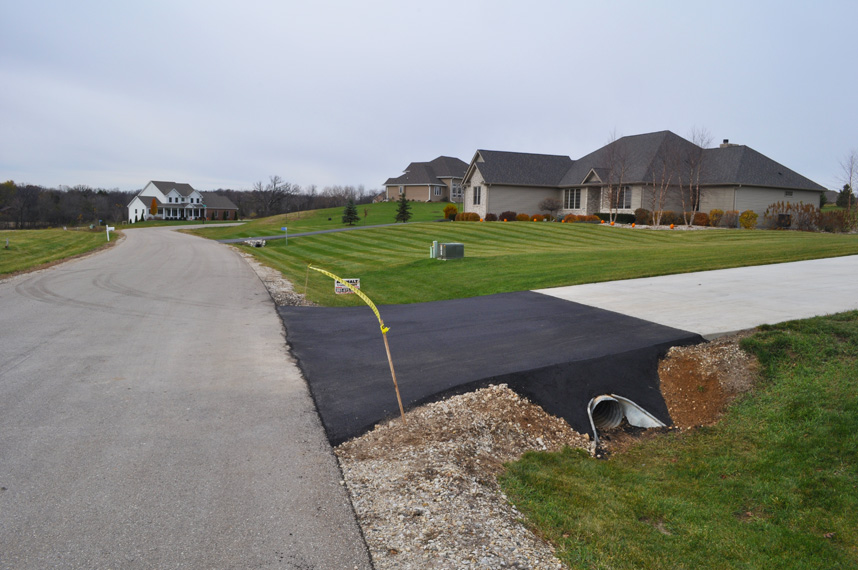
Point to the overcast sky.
(220, 94)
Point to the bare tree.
(849, 171)
(551, 205)
(662, 177)
(273, 197)
(689, 169)
(617, 160)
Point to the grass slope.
(394, 266)
(774, 485)
(33, 248)
(314, 220)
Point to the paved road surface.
(150, 417)
(713, 303)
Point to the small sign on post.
(341, 289)
(286, 239)
(110, 229)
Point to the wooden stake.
(306, 282)
(393, 374)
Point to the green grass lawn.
(33, 248)
(314, 220)
(773, 485)
(394, 266)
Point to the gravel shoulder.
(425, 492)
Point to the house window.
(437, 190)
(457, 191)
(572, 199)
(402, 190)
(788, 193)
(477, 195)
(624, 198)
(170, 200)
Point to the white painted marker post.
(287, 235)
(110, 229)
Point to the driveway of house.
(151, 417)
(714, 303)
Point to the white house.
(178, 201)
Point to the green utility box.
(451, 251)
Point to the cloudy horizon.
(222, 94)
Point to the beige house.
(641, 171)
(435, 181)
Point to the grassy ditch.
(29, 249)
(315, 220)
(394, 266)
(773, 485)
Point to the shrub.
(538, 218)
(471, 217)
(837, 221)
(572, 218)
(619, 218)
(507, 216)
(700, 219)
(715, 217)
(450, 211)
(801, 216)
(459, 217)
(730, 219)
(491, 218)
(670, 217)
(643, 217)
(748, 219)
(522, 218)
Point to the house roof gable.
(430, 173)
(217, 201)
(521, 169)
(740, 164)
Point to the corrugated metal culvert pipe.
(608, 410)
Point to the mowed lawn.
(773, 485)
(324, 219)
(35, 248)
(394, 267)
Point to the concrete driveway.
(151, 417)
(714, 303)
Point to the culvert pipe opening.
(608, 410)
(607, 413)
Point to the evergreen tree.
(350, 213)
(846, 199)
(403, 209)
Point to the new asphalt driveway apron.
(557, 353)
(151, 417)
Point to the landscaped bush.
(450, 211)
(572, 218)
(715, 217)
(538, 218)
(619, 218)
(748, 219)
(837, 221)
(730, 219)
(643, 217)
(670, 217)
(700, 219)
(491, 218)
(507, 216)
(801, 216)
(522, 218)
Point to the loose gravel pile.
(426, 492)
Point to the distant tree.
(846, 199)
(350, 214)
(550, 205)
(403, 210)
(365, 214)
(153, 207)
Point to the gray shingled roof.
(522, 169)
(180, 187)
(739, 164)
(217, 201)
(425, 173)
(639, 154)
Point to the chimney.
(726, 143)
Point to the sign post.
(286, 239)
(110, 229)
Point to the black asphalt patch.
(557, 353)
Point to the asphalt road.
(151, 417)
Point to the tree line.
(33, 206)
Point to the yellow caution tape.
(357, 292)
